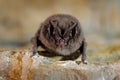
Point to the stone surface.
(18, 65)
(100, 20)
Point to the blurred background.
(100, 20)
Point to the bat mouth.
(60, 43)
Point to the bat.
(61, 34)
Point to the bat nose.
(61, 41)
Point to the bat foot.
(85, 62)
(84, 59)
(34, 53)
(79, 62)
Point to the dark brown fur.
(60, 35)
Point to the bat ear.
(49, 28)
(54, 22)
(72, 24)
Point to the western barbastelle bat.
(61, 34)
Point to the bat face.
(61, 34)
